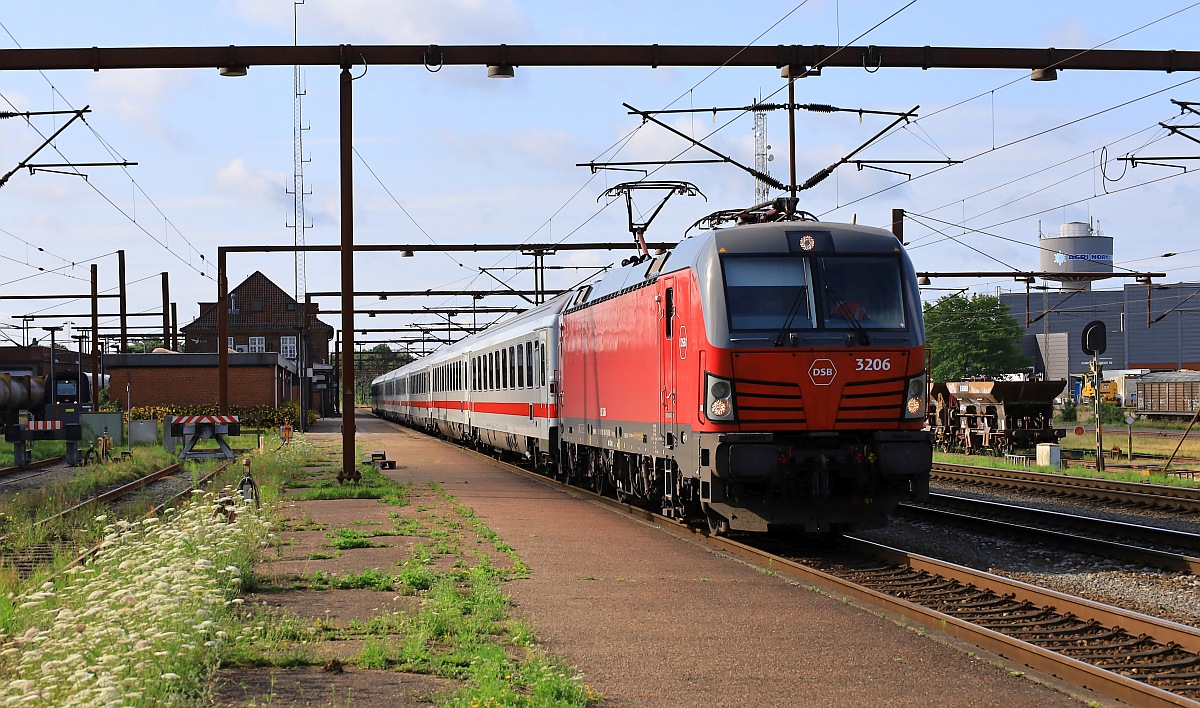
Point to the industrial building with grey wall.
(1155, 326)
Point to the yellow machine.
(1109, 391)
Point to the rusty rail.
(1158, 496)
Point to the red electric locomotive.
(757, 377)
(764, 376)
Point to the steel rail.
(49, 461)
(1141, 493)
(1150, 534)
(116, 493)
(1099, 546)
(1080, 673)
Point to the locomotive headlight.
(720, 389)
(914, 399)
(719, 395)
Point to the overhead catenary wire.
(117, 158)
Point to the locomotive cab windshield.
(797, 293)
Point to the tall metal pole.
(166, 293)
(346, 150)
(1097, 367)
(174, 328)
(95, 337)
(124, 311)
(222, 334)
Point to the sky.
(452, 157)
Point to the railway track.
(8, 474)
(1155, 496)
(25, 560)
(1116, 653)
(1113, 539)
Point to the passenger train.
(765, 376)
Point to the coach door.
(668, 356)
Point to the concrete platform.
(651, 620)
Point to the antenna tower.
(299, 223)
(762, 190)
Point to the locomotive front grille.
(878, 401)
(769, 402)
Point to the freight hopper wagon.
(993, 417)
(758, 377)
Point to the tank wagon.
(993, 417)
(757, 377)
(29, 411)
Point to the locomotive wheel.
(717, 524)
(600, 483)
(602, 479)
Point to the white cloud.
(248, 184)
(1074, 33)
(138, 97)
(396, 22)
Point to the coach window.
(512, 369)
(540, 355)
(537, 354)
(528, 364)
(503, 368)
(520, 367)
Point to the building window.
(287, 347)
(258, 344)
(256, 304)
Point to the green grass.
(1076, 470)
(457, 621)
(345, 539)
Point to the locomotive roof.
(692, 252)
(749, 238)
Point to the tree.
(973, 336)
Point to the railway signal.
(1095, 342)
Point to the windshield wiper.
(801, 296)
(840, 307)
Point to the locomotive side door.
(668, 357)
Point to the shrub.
(250, 416)
(1068, 413)
(1111, 414)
